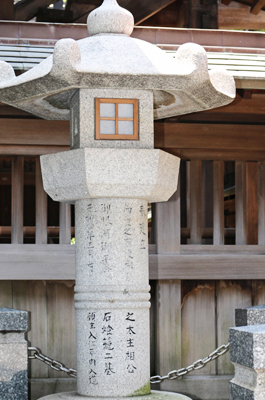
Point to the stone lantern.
(112, 87)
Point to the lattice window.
(116, 119)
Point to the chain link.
(175, 374)
(58, 366)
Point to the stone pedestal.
(13, 354)
(154, 395)
(247, 353)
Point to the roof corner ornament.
(6, 72)
(110, 18)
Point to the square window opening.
(116, 119)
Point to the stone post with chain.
(13, 354)
(247, 353)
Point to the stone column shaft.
(112, 297)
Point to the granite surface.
(13, 359)
(241, 393)
(13, 354)
(155, 395)
(148, 174)
(82, 118)
(13, 320)
(247, 353)
(16, 388)
(110, 59)
(250, 316)
(247, 346)
(112, 298)
(110, 18)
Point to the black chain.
(58, 366)
(175, 374)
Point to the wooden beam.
(239, 17)
(30, 231)
(205, 266)
(245, 93)
(52, 262)
(241, 105)
(7, 10)
(10, 150)
(207, 233)
(257, 6)
(54, 15)
(25, 10)
(226, 2)
(209, 136)
(220, 154)
(35, 132)
(5, 110)
(142, 10)
(232, 249)
(171, 16)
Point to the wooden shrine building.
(206, 245)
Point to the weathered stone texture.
(250, 316)
(155, 395)
(13, 320)
(82, 119)
(13, 355)
(247, 346)
(247, 353)
(148, 174)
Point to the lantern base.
(154, 395)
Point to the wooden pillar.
(7, 10)
(168, 293)
(65, 223)
(203, 14)
(168, 224)
(195, 201)
(218, 202)
(252, 202)
(17, 200)
(41, 207)
(261, 203)
(241, 221)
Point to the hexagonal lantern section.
(112, 87)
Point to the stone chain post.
(247, 353)
(13, 354)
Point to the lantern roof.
(110, 58)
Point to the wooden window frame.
(116, 136)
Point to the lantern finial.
(110, 18)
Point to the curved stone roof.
(116, 60)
